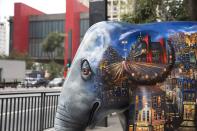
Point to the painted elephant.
(112, 60)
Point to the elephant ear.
(150, 64)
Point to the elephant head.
(112, 59)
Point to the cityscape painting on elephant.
(148, 70)
(170, 105)
(146, 62)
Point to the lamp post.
(124, 49)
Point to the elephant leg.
(124, 120)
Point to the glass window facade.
(38, 31)
(40, 27)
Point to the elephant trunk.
(65, 122)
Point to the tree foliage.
(191, 9)
(159, 10)
(52, 42)
(172, 10)
(54, 69)
(144, 12)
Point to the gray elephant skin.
(113, 59)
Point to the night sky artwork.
(145, 73)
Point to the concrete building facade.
(116, 8)
(3, 39)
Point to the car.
(27, 82)
(33, 82)
(56, 82)
(40, 82)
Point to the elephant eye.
(86, 71)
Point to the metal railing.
(28, 110)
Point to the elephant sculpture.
(113, 59)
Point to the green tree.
(144, 12)
(161, 10)
(52, 42)
(54, 69)
(173, 10)
(191, 7)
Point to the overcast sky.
(47, 6)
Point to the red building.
(151, 52)
(155, 46)
(21, 26)
(72, 28)
(22, 37)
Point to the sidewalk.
(30, 89)
(113, 125)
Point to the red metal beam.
(73, 10)
(21, 26)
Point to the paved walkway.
(30, 89)
(113, 125)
